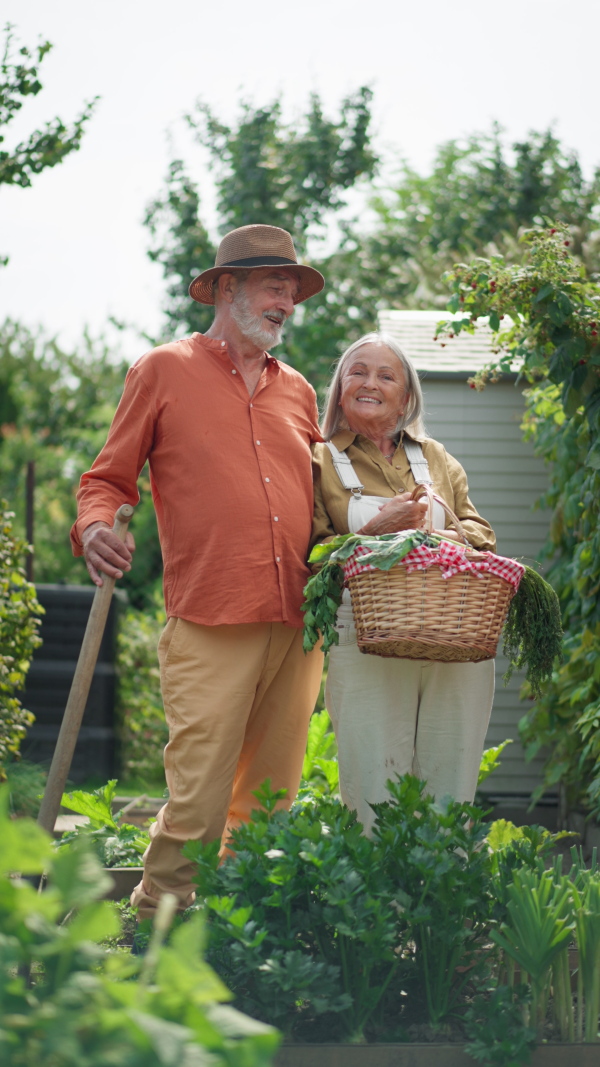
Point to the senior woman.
(394, 716)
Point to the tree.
(294, 176)
(475, 201)
(43, 148)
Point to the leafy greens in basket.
(532, 632)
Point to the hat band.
(259, 261)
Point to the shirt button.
(258, 442)
(278, 559)
(251, 405)
(234, 371)
(276, 518)
(222, 344)
(267, 479)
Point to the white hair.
(411, 418)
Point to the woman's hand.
(401, 513)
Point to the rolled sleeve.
(112, 480)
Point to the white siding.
(482, 430)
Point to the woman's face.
(373, 389)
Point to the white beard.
(251, 325)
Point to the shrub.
(19, 624)
(143, 730)
(68, 1002)
(309, 917)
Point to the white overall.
(395, 716)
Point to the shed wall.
(482, 430)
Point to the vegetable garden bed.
(429, 1055)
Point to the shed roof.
(454, 357)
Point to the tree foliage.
(55, 409)
(268, 171)
(475, 200)
(43, 148)
(555, 333)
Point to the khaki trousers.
(400, 716)
(237, 700)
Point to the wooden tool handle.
(80, 687)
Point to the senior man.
(227, 430)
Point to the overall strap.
(345, 471)
(418, 464)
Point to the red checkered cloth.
(450, 558)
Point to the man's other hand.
(105, 552)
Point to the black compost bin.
(49, 680)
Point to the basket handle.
(431, 497)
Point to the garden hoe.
(80, 687)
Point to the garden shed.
(482, 430)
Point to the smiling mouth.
(276, 321)
(367, 400)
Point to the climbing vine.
(546, 317)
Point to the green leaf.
(182, 969)
(24, 847)
(94, 922)
(494, 320)
(490, 760)
(593, 457)
(78, 875)
(96, 805)
(544, 292)
(502, 833)
(319, 728)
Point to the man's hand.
(105, 552)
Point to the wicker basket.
(424, 616)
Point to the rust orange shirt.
(230, 475)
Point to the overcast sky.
(439, 70)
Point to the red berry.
(594, 333)
(443, 345)
(567, 242)
(534, 290)
(471, 385)
(473, 285)
(451, 335)
(435, 338)
(581, 362)
(552, 231)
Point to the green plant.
(490, 760)
(533, 631)
(546, 313)
(433, 854)
(19, 624)
(26, 782)
(539, 925)
(498, 1035)
(300, 917)
(66, 1001)
(308, 916)
(143, 730)
(116, 843)
(320, 769)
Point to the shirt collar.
(344, 438)
(219, 348)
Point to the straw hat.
(256, 246)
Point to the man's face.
(263, 302)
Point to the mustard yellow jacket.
(381, 478)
